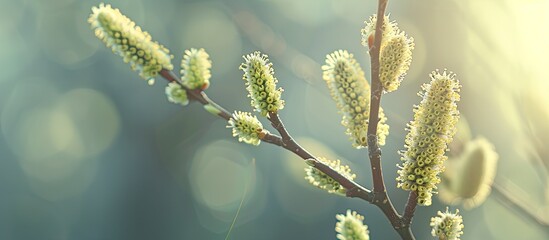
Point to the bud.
(351, 227)
(195, 69)
(323, 181)
(368, 32)
(176, 94)
(447, 225)
(395, 60)
(428, 135)
(351, 92)
(128, 41)
(261, 83)
(246, 127)
(473, 173)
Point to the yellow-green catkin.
(247, 128)
(395, 59)
(473, 173)
(429, 133)
(388, 30)
(325, 182)
(395, 51)
(261, 83)
(447, 225)
(176, 94)
(128, 41)
(351, 92)
(350, 226)
(195, 69)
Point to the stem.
(197, 94)
(354, 189)
(400, 224)
(286, 141)
(375, 100)
(410, 208)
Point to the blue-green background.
(89, 151)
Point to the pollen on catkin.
(387, 31)
(195, 69)
(473, 173)
(261, 83)
(350, 226)
(428, 135)
(395, 59)
(447, 225)
(247, 128)
(128, 41)
(325, 182)
(351, 92)
(176, 94)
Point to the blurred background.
(89, 151)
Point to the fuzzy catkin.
(128, 41)
(246, 127)
(395, 59)
(195, 69)
(388, 29)
(395, 53)
(176, 94)
(320, 180)
(429, 133)
(351, 92)
(350, 226)
(261, 83)
(447, 225)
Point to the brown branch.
(400, 224)
(286, 141)
(354, 189)
(196, 95)
(375, 100)
(410, 208)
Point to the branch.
(286, 141)
(400, 224)
(375, 100)
(196, 95)
(410, 208)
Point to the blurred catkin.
(325, 182)
(473, 173)
(350, 226)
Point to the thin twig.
(354, 189)
(197, 95)
(286, 141)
